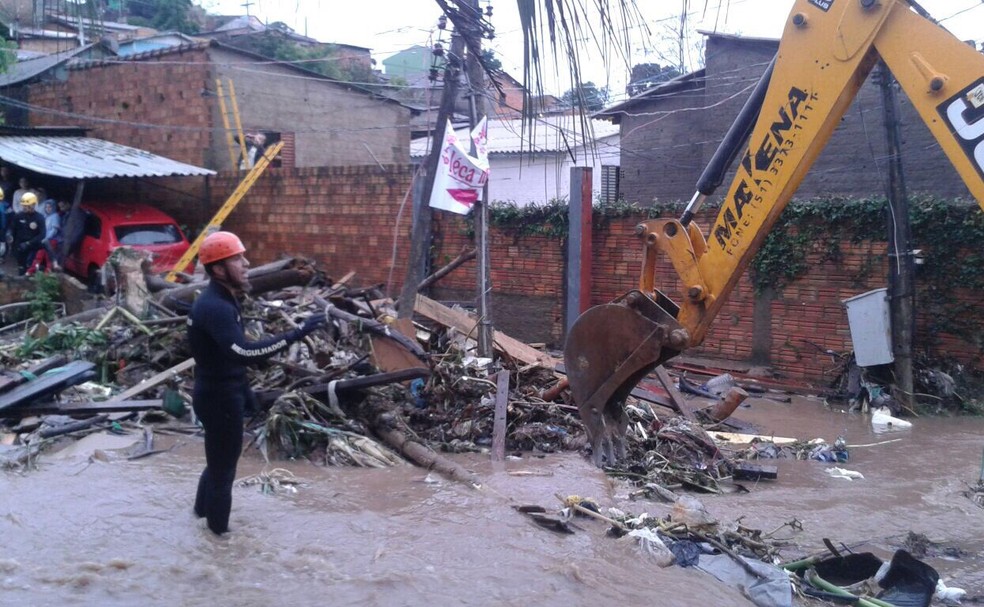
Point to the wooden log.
(466, 324)
(285, 273)
(465, 256)
(72, 427)
(421, 454)
(499, 423)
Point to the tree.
(164, 15)
(647, 75)
(586, 96)
(323, 58)
(489, 59)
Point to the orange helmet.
(218, 246)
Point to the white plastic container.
(869, 318)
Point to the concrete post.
(579, 254)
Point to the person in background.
(24, 187)
(27, 231)
(6, 209)
(255, 145)
(52, 233)
(221, 351)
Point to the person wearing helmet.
(222, 352)
(27, 232)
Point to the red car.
(109, 225)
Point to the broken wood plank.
(737, 438)
(745, 471)
(154, 381)
(675, 397)
(71, 374)
(499, 422)
(466, 324)
(85, 408)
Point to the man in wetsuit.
(221, 352)
(27, 232)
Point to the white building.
(534, 168)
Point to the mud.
(102, 530)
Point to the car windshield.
(148, 234)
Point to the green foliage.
(164, 15)
(490, 60)
(587, 96)
(648, 75)
(74, 338)
(322, 59)
(551, 219)
(44, 297)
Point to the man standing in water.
(221, 352)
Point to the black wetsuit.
(27, 229)
(222, 392)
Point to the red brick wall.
(344, 218)
(804, 319)
(155, 105)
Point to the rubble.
(369, 390)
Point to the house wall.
(155, 105)
(409, 63)
(539, 178)
(662, 143)
(333, 125)
(167, 104)
(669, 140)
(344, 218)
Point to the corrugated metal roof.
(89, 158)
(550, 134)
(21, 71)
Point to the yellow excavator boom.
(827, 50)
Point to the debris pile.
(369, 390)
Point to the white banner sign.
(461, 176)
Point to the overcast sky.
(388, 26)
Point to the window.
(93, 226)
(148, 234)
(611, 175)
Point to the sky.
(388, 26)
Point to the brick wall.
(345, 218)
(667, 140)
(155, 105)
(797, 325)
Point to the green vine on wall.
(948, 232)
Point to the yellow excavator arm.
(827, 50)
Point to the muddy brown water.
(85, 531)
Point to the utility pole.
(901, 282)
(421, 231)
(476, 103)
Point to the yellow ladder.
(261, 164)
(232, 109)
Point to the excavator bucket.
(609, 349)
